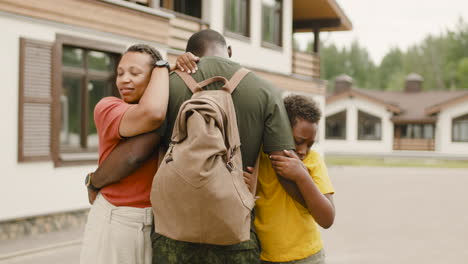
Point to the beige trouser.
(116, 235)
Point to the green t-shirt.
(261, 116)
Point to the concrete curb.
(26, 252)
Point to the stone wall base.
(23, 227)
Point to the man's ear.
(229, 49)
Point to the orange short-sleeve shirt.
(134, 190)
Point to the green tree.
(390, 67)
(354, 62)
(462, 73)
(442, 60)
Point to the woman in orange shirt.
(120, 220)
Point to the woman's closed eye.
(135, 72)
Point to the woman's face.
(133, 75)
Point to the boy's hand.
(289, 167)
(248, 178)
(187, 62)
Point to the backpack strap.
(236, 79)
(228, 86)
(214, 79)
(255, 174)
(189, 81)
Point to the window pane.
(277, 24)
(237, 16)
(267, 28)
(99, 61)
(72, 56)
(369, 126)
(402, 129)
(460, 129)
(188, 7)
(464, 131)
(96, 91)
(78, 98)
(428, 131)
(335, 126)
(271, 21)
(417, 131)
(140, 2)
(243, 25)
(70, 102)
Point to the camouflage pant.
(168, 251)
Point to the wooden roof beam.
(312, 24)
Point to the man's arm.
(126, 158)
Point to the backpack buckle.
(169, 153)
(230, 166)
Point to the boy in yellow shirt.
(287, 229)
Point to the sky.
(380, 25)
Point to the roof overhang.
(353, 93)
(439, 107)
(325, 15)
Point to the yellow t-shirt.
(285, 228)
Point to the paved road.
(399, 215)
(384, 216)
(65, 255)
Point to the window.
(140, 2)
(369, 127)
(189, 7)
(460, 129)
(335, 126)
(272, 21)
(60, 84)
(237, 17)
(87, 76)
(84, 72)
(423, 131)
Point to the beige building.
(59, 59)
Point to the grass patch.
(394, 162)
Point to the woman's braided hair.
(303, 107)
(143, 48)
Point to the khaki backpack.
(199, 194)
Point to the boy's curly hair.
(143, 48)
(303, 107)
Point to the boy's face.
(304, 133)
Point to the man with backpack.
(261, 122)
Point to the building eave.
(439, 107)
(354, 93)
(325, 15)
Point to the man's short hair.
(199, 41)
(303, 107)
